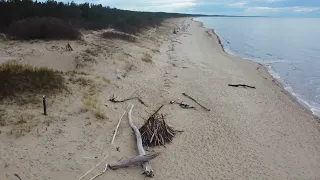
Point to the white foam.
(312, 106)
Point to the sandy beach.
(260, 133)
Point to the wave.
(313, 106)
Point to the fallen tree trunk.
(147, 169)
(133, 161)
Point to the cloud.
(238, 5)
(281, 9)
(227, 7)
(306, 9)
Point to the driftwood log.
(243, 85)
(147, 169)
(132, 161)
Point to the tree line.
(84, 15)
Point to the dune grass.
(17, 79)
(119, 35)
(91, 102)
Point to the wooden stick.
(17, 175)
(243, 85)
(157, 110)
(147, 169)
(105, 169)
(113, 99)
(93, 167)
(185, 94)
(116, 130)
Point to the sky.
(282, 8)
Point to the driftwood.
(116, 130)
(243, 85)
(175, 41)
(93, 168)
(17, 175)
(68, 47)
(127, 163)
(141, 158)
(156, 132)
(185, 94)
(113, 99)
(147, 169)
(132, 161)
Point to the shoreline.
(304, 105)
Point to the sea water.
(288, 47)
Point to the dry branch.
(113, 99)
(68, 47)
(116, 130)
(17, 175)
(147, 169)
(243, 85)
(185, 94)
(127, 163)
(93, 168)
(156, 132)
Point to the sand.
(260, 133)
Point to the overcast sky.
(296, 8)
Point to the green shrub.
(42, 28)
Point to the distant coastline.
(231, 16)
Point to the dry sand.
(257, 133)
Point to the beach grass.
(91, 102)
(118, 35)
(17, 80)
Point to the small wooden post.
(44, 105)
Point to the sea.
(288, 47)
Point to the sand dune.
(249, 133)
